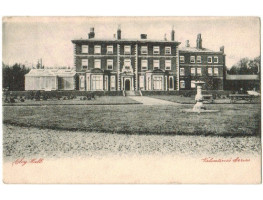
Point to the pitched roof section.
(242, 77)
(51, 72)
(194, 49)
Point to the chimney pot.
(222, 49)
(199, 41)
(91, 33)
(143, 36)
(172, 35)
(187, 44)
(119, 33)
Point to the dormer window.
(156, 50)
(127, 49)
(110, 49)
(97, 49)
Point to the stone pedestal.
(199, 97)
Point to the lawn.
(232, 120)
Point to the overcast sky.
(27, 39)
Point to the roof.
(52, 72)
(194, 49)
(242, 77)
(123, 40)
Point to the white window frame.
(106, 83)
(127, 60)
(127, 47)
(97, 82)
(182, 84)
(198, 59)
(199, 69)
(171, 87)
(193, 71)
(143, 61)
(158, 82)
(210, 58)
(210, 71)
(84, 48)
(169, 50)
(182, 72)
(155, 63)
(112, 82)
(97, 49)
(192, 61)
(95, 63)
(216, 71)
(144, 50)
(192, 83)
(215, 59)
(82, 61)
(142, 82)
(156, 49)
(168, 64)
(108, 49)
(182, 59)
(109, 62)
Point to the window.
(106, 82)
(181, 59)
(112, 83)
(210, 73)
(198, 59)
(216, 59)
(84, 49)
(192, 84)
(156, 64)
(110, 49)
(216, 71)
(181, 71)
(192, 71)
(127, 49)
(199, 71)
(209, 59)
(192, 59)
(156, 50)
(110, 64)
(97, 49)
(82, 81)
(144, 50)
(97, 82)
(142, 82)
(168, 64)
(127, 64)
(157, 82)
(182, 84)
(84, 63)
(97, 63)
(167, 50)
(171, 82)
(144, 64)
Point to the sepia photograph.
(158, 100)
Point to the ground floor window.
(192, 84)
(112, 83)
(171, 82)
(142, 82)
(97, 82)
(157, 82)
(106, 83)
(82, 82)
(182, 84)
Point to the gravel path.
(152, 101)
(29, 142)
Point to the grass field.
(232, 120)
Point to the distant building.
(198, 63)
(126, 64)
(242, 82)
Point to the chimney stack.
(222, 49)
(199, 41)
(187, 44)
(172, 35)
(165, 39)
(119, 33)
(91, 33)
(143, 36)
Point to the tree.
(246, 66)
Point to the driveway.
(152, 101)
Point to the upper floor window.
(110, 64)
(168, 64)
(156, 50)
(167, 50)
(181, 59)
(216, 59)
(216, 71)
(209, 59)
(199, 71)
(181, 71)
(144, 64)
(192, 59)
(84, 49)
(156, 64)
(127, 49)
(144, 50)
(198, 59)
(97, 63)
(210, 72)
(127, 63)
(84, 63)
(110, 49)
(192, 71)
(193, 84)
(182, 84)
(97, 49)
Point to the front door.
(127, 84)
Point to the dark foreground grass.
(232, 120)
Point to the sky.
(27, 39)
